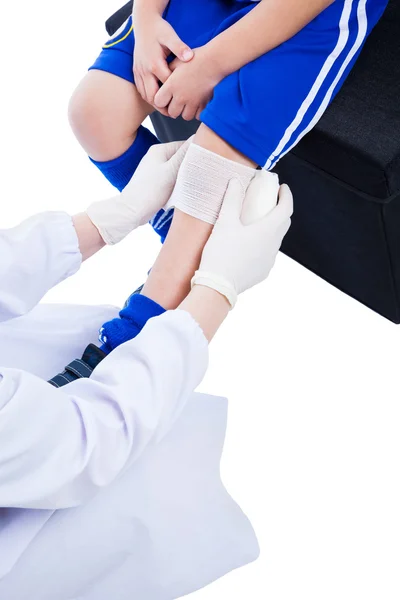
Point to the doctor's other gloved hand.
(148, 191)
(238, 256)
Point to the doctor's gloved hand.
(148, 191)
(238, 256)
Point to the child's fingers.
(175, 108)
(163, 97)
(162, 111)
(161, 70)
(200, 110)
(189, 112)
(173, 65)
(151, 86)
(172, 41)
(139, 85)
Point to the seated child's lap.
(265, 108)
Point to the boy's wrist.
(143, 10)
(146, 24)
(215, 64)
(145, 13)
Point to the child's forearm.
(267, 26)
(156, 7)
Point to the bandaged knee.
(202, 182)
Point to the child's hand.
(190, 87)
(155, 40)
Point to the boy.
(257, 74)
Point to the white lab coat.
(130, 455)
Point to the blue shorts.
(265, 108)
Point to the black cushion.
(358, 138)
(118, 18)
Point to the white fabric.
(163, 528)
(146, 193)
(238, 256)
(34, 257)
(86, 433)
(42, 343)
(73, 442)
(202, 182)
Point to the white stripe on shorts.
(362, 32)
(344, 34)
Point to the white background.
(312, 452)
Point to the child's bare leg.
(105, 113)
(208, 139)
(169, 280)
(168, 283)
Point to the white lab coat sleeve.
(34, 257)
(60, 446)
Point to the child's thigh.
(194, 22)
(116, 56)
(264, 109)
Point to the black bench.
(345, 176)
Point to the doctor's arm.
(61, 446)
(47, 248)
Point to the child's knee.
(90, 122)
(102, 123)
(80, 116)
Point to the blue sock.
(119, 171)
(132, 318)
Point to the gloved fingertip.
(234, 198)
(285, 201)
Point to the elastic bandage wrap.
(202, 182)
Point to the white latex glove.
(238, 256)
(147, 192)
